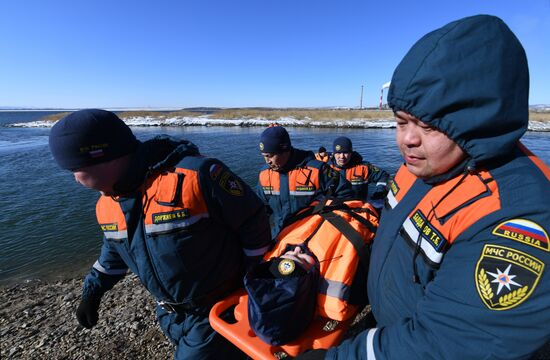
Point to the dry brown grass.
(157, 114)
(301, 114)
(55, 117)
(276, 114)
(539, 116)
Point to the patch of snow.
(205, 120)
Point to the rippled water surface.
(48, 222)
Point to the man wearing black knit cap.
(368, 182)
(292, 178)
(183, 223)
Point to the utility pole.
(361, 99)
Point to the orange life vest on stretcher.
(339, 257)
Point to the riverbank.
(319, 118)
(37, 321)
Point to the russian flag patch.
(524, 231)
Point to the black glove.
(318, 354)
(379, 195)
(86, 314)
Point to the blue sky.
(280, 53)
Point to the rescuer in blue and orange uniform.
(323, 155)
(459, 263)
(292, 178)
(368, 182)
(183, 223)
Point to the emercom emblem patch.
(524, 231)
(506, 277)
(230, 184)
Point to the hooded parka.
(459, 263)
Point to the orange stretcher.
(321, 334)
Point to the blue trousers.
(194, 337)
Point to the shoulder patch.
(506, 277)
(215, 171)
(329, 172)
(524, 231)
(231, 184)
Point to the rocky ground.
(37, 322)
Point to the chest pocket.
(111, 219)
(174, 202)
(447, 211)
(303, 181)
(357, 175)
(270, 182)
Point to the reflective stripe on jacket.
(185, 232)
(437, 220)
(303, 181)
(286, 193)
(463, 256)
(169, 207)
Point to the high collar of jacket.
(298, 158)
(467, 165)
(152, 157)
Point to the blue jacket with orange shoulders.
(368, 182)
(295, 186)
(185, 226)
(459, 263)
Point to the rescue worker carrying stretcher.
(292, 178)
(459, 266)
(183, 223)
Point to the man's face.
(276, 161)
(101, 177)
(323, 154)
(306, 261)
(427, 151)
(342, 158)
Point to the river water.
(48, 228)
